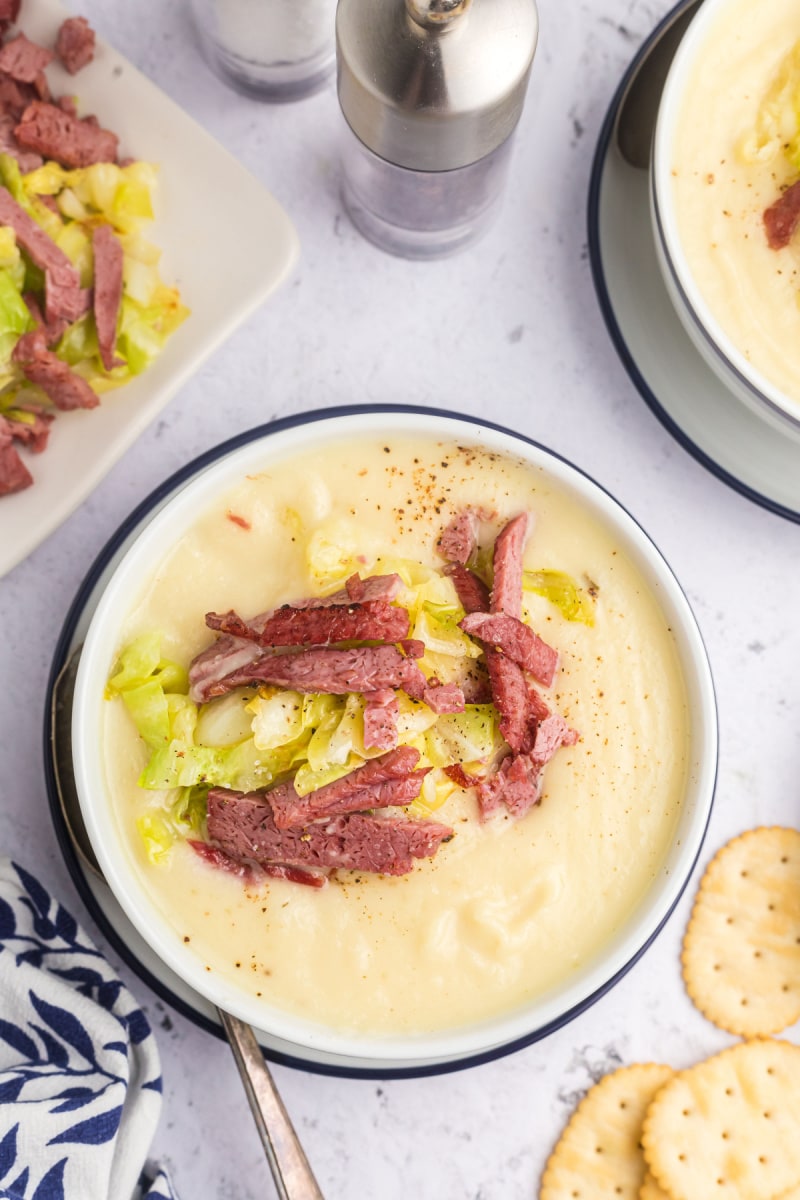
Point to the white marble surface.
(509, 331)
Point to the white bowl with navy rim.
(721, 353)
(301, 1041)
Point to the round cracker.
(741, 952)
(599, 1153)
(729, 1127)
(652, 1190)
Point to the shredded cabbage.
(101, 193)
(333, 555)
(225, 721)
(572, 601)
(437, 626)
(308, 780)
(467, 736)
(140, 661)
(777, 124)
(436, 790)
(277, 719)
(15, 319)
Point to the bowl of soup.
(725, 199)
(532, 735)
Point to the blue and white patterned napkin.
(80, 1079)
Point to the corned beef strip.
(507, 561)
(475, 684)
(289, 626)
(517, 640)
(14, 475)
(69, 106)
(250, 872)
(472, 592)
(35, 431)
(537, 706)
(290, 809)
(362, 591)
(243, 826)
(782, 216)
(57, 380)
(510, 695)
(9, 10)
(23, 60)
(508, 688)
(64, 296)
(374, 587)
(362, 669)
(458, 775)
(56, 134)
(107, 295)
(380, 720)
(443, 697)
(52, 330)
(64, 301)
(518, 782)
(75, 43)
(552, 733)
(14, 99)
(412, 647)
(458, 540)
(225, 657)
(9, 145)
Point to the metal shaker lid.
(434, 84)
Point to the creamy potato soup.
(507, 909)
(733, 156)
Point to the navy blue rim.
(65, 843)
(604, 146)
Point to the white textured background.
(510, 331)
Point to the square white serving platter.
(222, 278)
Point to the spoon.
(636, 115)
(291, 1172)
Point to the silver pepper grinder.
(431, 92)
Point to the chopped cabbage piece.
(148, 707)
(140, 660)
(333, 554)
(437, 626)
(777, 125)
(225, 721)
(15, 318)
(572, 601)
(277, 719)
(308, 780)
(462, 737)
(414, 719)
(157, 834)
(436, 790)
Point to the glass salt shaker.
(431, 92)
(269, 49)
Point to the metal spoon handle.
(293, 1176)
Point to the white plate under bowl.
(94, 617)
(728, 438)
(201, 187)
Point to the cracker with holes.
(598, 1155)
(650, 1190)
(741, 952)
(729, 1128)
